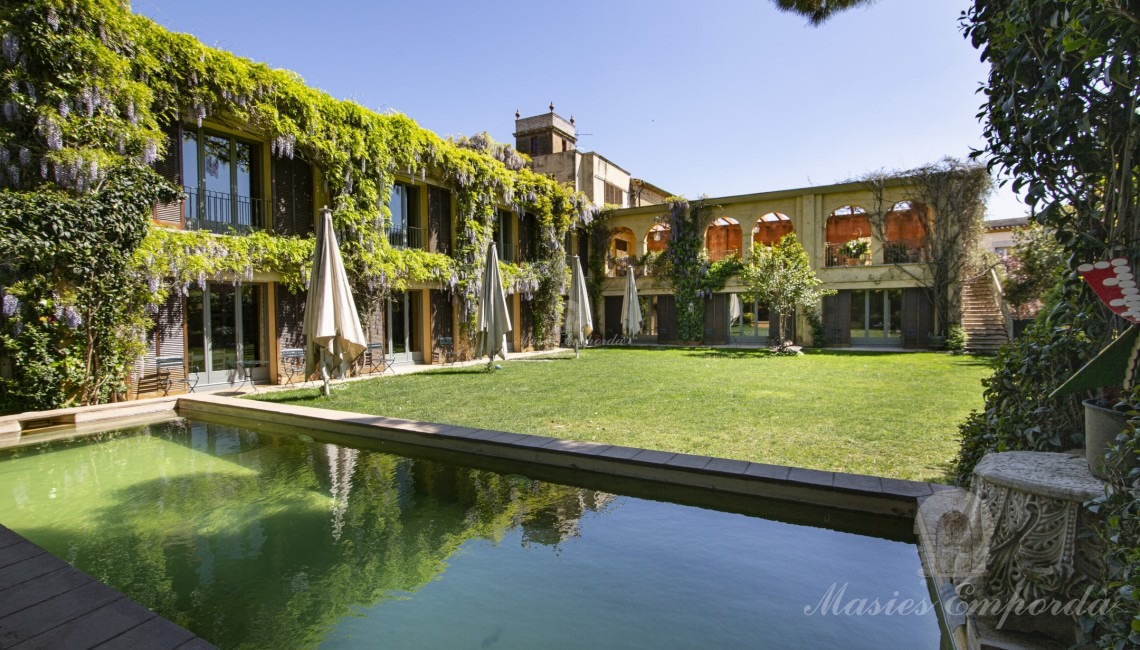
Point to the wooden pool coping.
(45, 602)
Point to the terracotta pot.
(1102, 425)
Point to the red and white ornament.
(1115, 284)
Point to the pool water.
(254, 539)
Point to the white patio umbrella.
(630, 307)
(578, 323)
(333, 336)
(735, 308)
(493, 319)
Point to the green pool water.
(255, 539)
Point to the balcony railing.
(406, 237)
(221, 213)
(842, 254)
(903, 251)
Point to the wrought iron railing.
(406, 237)
(843, 254)
(903, 251)
(220, 212)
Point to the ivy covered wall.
(86, 88)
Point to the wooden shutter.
(290, 317)
(918, 318)
(170, 168)
(439, 220)
(166, 339)
(837, 318)
(528, 238)
(613, 316)
(441, 315)
(666, 319)
(716, 319)
(293, 209)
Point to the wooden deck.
(47, 603)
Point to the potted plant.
(854, 250)
(1114, 369)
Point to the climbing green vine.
(87, 87)
(688, 268)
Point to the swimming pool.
(254, 538)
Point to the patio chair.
(292, 364)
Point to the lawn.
(885, 414)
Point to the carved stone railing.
(1018, 552)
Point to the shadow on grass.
(731, 353)
(540, 359)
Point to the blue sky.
(713, 99)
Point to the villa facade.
(878, 273)
(225, 333)
(222, 333)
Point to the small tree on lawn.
(781, 277)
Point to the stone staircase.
(982, 317)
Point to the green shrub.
(1019, 414)
(1119, 530)
(956, 339)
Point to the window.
(222, 182)
(504, 224)
(403, 202)
(534, 145)
(613, 194)
(622, 246)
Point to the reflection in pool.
(258, 540)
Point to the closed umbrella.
(630, 307)
(735, 309)
(493, 319)
(333, 336)
(578, 324)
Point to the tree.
(781, 277)
(818, 11)
(1034, 266)
(947, 201)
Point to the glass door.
(876, 317)
(399, 329)
(748, 320)
(224, 324)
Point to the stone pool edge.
(861, 493)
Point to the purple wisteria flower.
(70, 317)
(11, 305)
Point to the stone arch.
(904, 233)
(657, 239)
(622, 247)
(770, 228)
(723, 238)
(848, 236)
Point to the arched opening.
(771, 228)
(623, 247)
(904, 235)
(724, 239)
(657, 239)
(848, 237)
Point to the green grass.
(886, 414)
